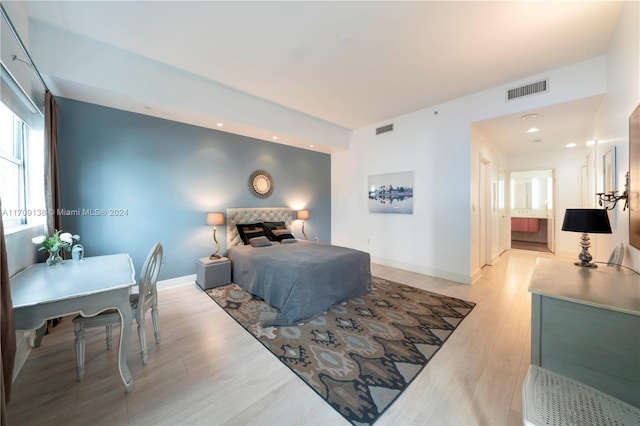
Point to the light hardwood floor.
(208, 370)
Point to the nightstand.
(212, 273)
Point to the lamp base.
(215, 255)
(585, 264)
(584, 256)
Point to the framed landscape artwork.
(634, 178)
(391, 193)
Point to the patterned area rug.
(361, 355)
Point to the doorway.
(532, 210)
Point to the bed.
(301, 279)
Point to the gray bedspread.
(302, 280)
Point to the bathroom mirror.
(531, 193)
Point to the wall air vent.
(528, 90)
(384, 129)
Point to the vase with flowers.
(53, 244)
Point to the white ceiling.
(348, 63)
(558, 125)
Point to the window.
(22, 94)
(13, 134)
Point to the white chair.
(147, 297)
(617, 256)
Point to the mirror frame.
(256, 182)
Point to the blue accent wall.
(129, 180)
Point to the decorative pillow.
(282, 234)
(249, 234)
(259, 242)
(288, 241)
(269, 227)
(250, 230)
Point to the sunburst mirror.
(261, 184)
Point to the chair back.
(617, 256)
(147, 282)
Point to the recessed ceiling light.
(570, 145)
(274, 138)
(529, 116)
(589, 143)
(311, 146)
(533, 130)
(220, 124)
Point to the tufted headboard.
(253, 215)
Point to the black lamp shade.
(591, 221)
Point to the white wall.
(441, 238)
(441, 194)
(612, 122)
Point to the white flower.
(39, 239)
(66, 237)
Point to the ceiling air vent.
(384, 129)
(527, 90)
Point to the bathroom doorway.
(532, 214)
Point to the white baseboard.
(24, 343)
(174, 282)
(459, 278)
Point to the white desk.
(88, 287)
(585, 324)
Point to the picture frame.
(391, 193)
(634, 178)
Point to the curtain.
(51, 184)
(51, 174)
(7, 330)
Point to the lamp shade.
(302, 214)
(215, 219)
(591, 221)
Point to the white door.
(503, 213)
(551, 213)
(482, 212)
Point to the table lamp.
(303, 215)
(587, 221)
(215, 219)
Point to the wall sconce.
(609, 199)
(303, 215)
(586, 221)
(215, 219)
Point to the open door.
(503, 212)
(532, 204)
(484, 235)
(551, 213)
